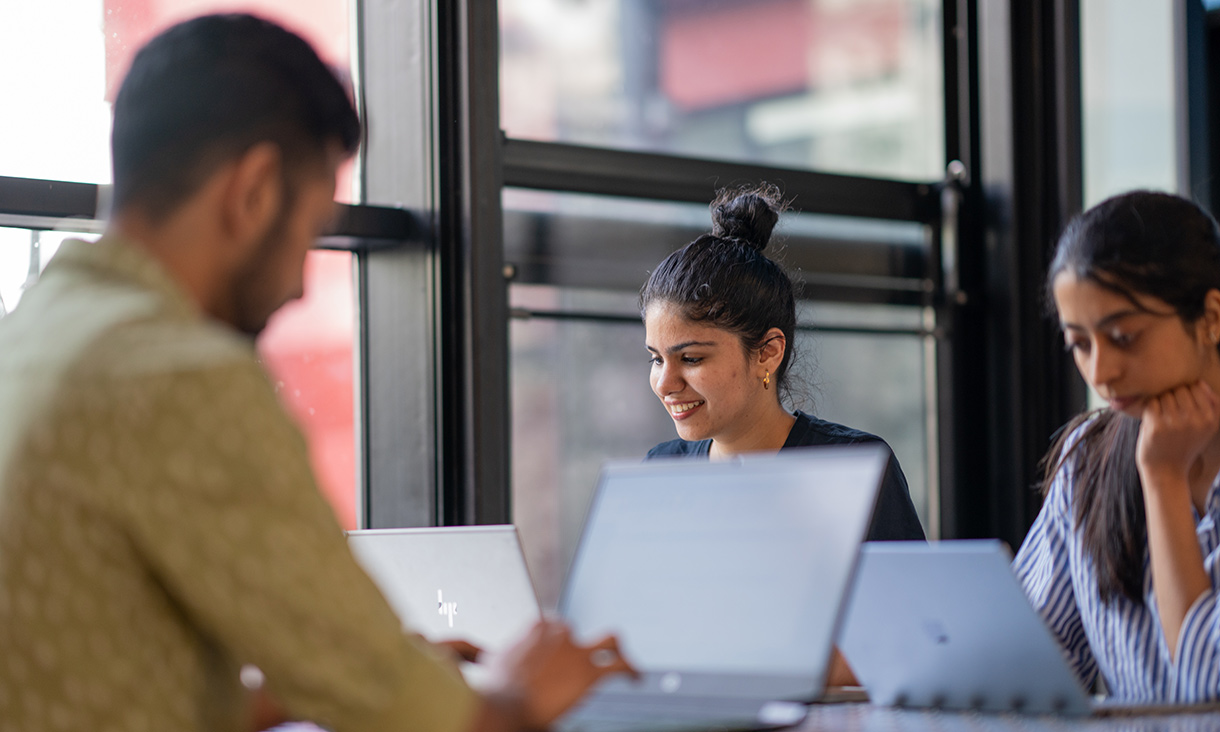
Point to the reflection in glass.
(580, 396)
(849, 86)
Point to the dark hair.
(208, 89)
(724, 279)
(1138, 243)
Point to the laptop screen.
(736, 567)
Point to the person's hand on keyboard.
(547, 672)
(461, 650)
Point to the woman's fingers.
(1189, 406)
(1175, 428)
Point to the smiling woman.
(720, 320)
(1124, 559)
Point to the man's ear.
(253, 194)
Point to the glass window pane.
(309, 349)
(57, 95)
(1129, 110)
(23, 256)
(876, 383)
(581, 396)
(850, 86)
(59, 107)
(54, 91)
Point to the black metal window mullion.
(50, 204)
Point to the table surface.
(864, 717)
(869, 718)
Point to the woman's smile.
(683, 410)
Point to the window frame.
(433, 354)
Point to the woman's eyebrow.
(682, 346)
(1108, 320)
(687, 344)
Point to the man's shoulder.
(151, 346)
(66, 357)
(81, 321)
(141, 374)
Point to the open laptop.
(947, 625)
(724, 582)
(453, 583)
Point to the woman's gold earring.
(767, 381)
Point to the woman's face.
(703, 375)
(1127, 353)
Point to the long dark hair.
(724, 279)
(1138, 243)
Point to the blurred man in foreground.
(159, 524)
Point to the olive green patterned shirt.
(160, 527)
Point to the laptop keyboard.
(662, 714)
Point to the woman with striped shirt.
(1122, 561)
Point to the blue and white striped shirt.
(1121, 640)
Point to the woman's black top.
(894, 518)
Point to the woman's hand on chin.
(1175, 429)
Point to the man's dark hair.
(207, 90)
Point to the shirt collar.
(115, 258)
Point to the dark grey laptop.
(947, 625)
(724, 581)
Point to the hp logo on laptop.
(448, 609)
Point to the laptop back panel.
(724, 578)
(947, 625)
(468, 583)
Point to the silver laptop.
(724, 582)
(947, 625)
(453, 583)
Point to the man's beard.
(248, 294)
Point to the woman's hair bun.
(747, 215)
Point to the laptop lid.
(467, 583)
(724, 578)
(948, 625)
